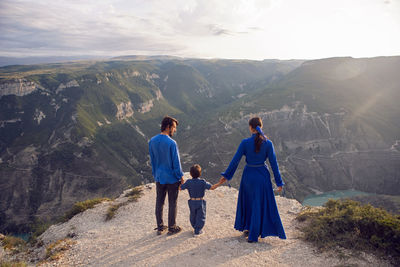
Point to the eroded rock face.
(39, 116)
(124, 110)
(69, 84)
(331, 151)
(18, 87)
(316, 151)
(33, 191)
(148, 105)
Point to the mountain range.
(79, 130)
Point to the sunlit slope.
(334, 122)
(369, 89)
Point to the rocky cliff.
(83, 131)
(129, 238)
(18, 87)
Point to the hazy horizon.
(237, 29)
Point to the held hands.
(221, 181)
(214, 186)
(182, 182)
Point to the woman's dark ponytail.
(254, 122)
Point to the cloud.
(212, 28)
(217, 30)
(73, 28)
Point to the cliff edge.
(129, 238)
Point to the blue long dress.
(256, 207)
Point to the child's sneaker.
(199, 233)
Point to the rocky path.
(129, 239)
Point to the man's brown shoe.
(161, 230)
(174, 230)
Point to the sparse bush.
(133, 195)
(82, 206)
(113, 209)
(351, 225)
(12, 264)
(54, 250)
(13, 243)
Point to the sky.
(235, 29)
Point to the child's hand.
(214, 186)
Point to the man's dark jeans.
(173, 191)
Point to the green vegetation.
(54, 250)
(133, 196)
(38, 228)
(81, 137)
(12, 264)
(82, 206)
(13, 243)
(386, 202)
(351, 225)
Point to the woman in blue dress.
(256, 214)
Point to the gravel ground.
(129, 238)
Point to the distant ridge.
(144, 57)
(8, 61)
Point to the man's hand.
(279, 189)
(182, 180)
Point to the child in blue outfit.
(197, 204)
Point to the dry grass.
(13, 243)
(12, 264)
(55, 250)
(82, 206)
(133, 195)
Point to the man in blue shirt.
(167, 172)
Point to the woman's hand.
(222, 180)
(279, 189)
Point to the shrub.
(13, 243)
(82, 206)
(54, 250)
(38, 228)
(113, 209)
(133, 195)
(351, 225)
(12, 264)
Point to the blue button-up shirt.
(165, 161)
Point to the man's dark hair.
(195, 171)
(168, 121)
